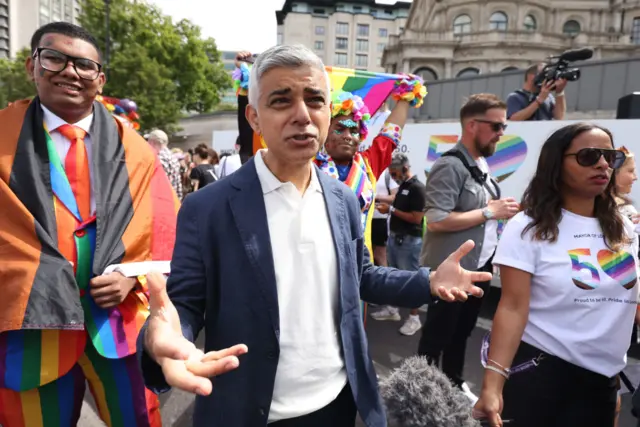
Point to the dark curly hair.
(543, 201)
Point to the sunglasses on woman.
(590, 156)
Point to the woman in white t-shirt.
(569, 271)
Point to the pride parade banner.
(514, 161)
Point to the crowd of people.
(271, 256)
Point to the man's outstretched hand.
(450, 282)
(183, 365)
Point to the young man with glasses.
(85, 206)
(463, 202)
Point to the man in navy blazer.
(271, 263)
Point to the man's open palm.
(183, 365)
(451, 282)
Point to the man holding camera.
(533, 103)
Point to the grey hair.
(399, 160)
(283, 56)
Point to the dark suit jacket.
(223, 279)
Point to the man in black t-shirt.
(405, 232)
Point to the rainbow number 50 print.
(620, 266)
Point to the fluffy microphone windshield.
(417, 394)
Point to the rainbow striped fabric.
(52, 253)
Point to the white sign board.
(516, 157)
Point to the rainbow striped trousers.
(116, 385)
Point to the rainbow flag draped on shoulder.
(373, 88)
(46, 312)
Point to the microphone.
(576, 55)
(417, 394)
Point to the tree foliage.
(15, 84)
(167, 68)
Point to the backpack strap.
(478, 176)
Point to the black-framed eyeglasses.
(55, 61)
(495, 126)
(590, 156)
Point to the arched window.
(462, 24)
(571, 28)
(426, 73)
(530, 23)
(498, 21)
(468, 72)
(510, 69)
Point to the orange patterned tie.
(76, 166)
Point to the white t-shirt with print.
(490, 227)
(583, 296)
(382, 190)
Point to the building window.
(498, 21)
(467, 72)
(362, 60)
(318, 11)
(319, 30)
(381, 47)
(363, 30)
(635, 31)
(357, 9)
(341, 59)
(382, 32)
(280, 38)
(68, 10)
(379, 61)
(426, 73)
(342, 43)
(530, 23)
(318, 45)
(509, 69)
(571, 28)
(462, 24)
(342, 29)
(362, 45)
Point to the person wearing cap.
(159, 140)
(405, 232)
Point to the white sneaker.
(423, 308)
(387, 313)
(411, 326)
(467, 392)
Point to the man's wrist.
(560, 94)
(488, 214)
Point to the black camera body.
(558, 66)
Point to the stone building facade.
(446, 39)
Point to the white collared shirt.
(62, 144)
(311, 371)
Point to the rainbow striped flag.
(46, 305)
(373, 88)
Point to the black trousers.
(339, 413)
(446, 330)
(557, 393)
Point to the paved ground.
(388, 349)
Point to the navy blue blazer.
(223, 280)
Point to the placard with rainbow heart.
(511, 152)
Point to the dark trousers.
(446, 330)
(339, 413)
(557, 393)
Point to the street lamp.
(107, 48)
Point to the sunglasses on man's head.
(590, 156)
(495, 126)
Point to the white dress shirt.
(311, 371)
(62, 144)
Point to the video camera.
(557, 67)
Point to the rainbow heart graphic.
(511, 152)
(620, 266)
